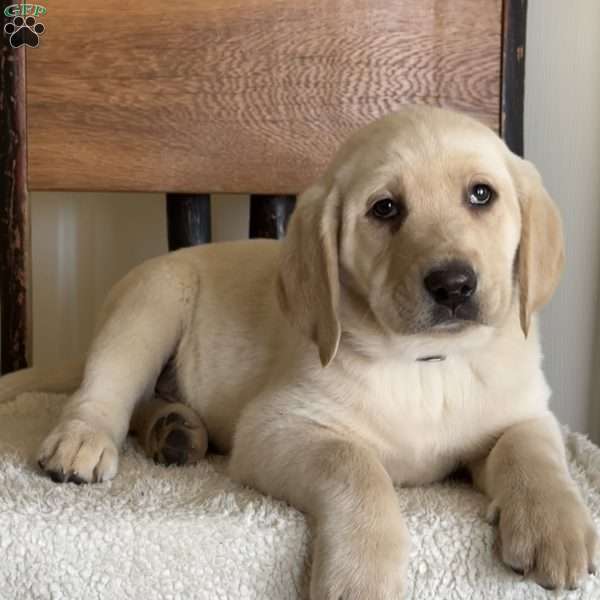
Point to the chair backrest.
(246, 96)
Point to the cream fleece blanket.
(190, 532)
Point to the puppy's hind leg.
(170, 432)
(144, 319)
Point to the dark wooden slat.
(513, 73)
(14, 209)
(188, 220)
(269, 215)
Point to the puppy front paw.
(348, 566)
(75, 452)
(548, 534)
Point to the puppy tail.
(65, 379)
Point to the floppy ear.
(541, 250)
(308, 284)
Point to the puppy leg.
(361, 542)
(544, 527)
(169, 432)
(139, 334)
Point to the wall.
(84, 242)
(562, 137)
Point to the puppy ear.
(541, 251)
(308, 285)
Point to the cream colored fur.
(252, 324)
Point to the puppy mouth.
(455, 318)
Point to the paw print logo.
(24, 32)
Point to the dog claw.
(57, 476)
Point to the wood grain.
(232, 96)
(15, 269)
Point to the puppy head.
(424, 225)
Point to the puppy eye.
(386, 208)
(480, 194)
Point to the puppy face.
(430, 223)
(428, 226)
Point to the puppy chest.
(427, 419)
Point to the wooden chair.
(206, 96)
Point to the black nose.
(451, 284)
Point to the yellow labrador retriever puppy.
(390, 339)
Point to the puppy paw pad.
(177, 441)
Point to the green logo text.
(24, 10)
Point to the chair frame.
(188, 214)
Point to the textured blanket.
(190, 532)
